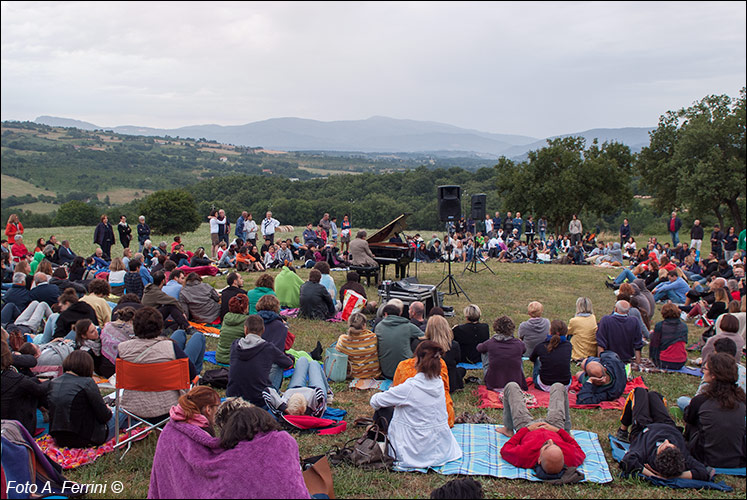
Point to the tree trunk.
(736, 215)
(717, 211)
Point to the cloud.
(532, 68)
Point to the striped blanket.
(481, 456)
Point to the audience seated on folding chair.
(149, 347)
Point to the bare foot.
(505, 431)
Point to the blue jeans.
(625, 274)
(675, 238)
(276, 376)
(111, 424)
(194, 349)
(668, 294)
(312, 371)
(542, 235)
(683, 402)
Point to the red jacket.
(523, 449)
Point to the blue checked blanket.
(619, 448)
(481, 456)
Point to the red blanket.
(201, 270)
(491, 399)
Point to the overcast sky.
(535, 69)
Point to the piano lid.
(384, 234)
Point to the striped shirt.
(361, 347)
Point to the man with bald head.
(620, 333)
(603, 379)
(543, 445)
(416, 311)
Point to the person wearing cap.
(544, 445)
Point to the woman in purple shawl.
(252, 459)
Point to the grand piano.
(386, 252)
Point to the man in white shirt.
(268, 227)
(488, 224)
(250, 228)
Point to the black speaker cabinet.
(449, 203)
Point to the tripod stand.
(472, 265)
(454, 286)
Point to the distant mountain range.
(377, 134)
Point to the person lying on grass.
(543, 445)
(657, 447)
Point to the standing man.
(542, 225)
(240, 230)
(717, 238)
(269, 225)
(488, 224)
(575, 228)
(125, 232)
(224, 227)
(104, 236)
(518, 223)
(250, 228)
(696, 237)
(529, 229)
(497, 222)
(624, 232)
(143, 232)
(674, 228)
(325, 223)
(508, 224)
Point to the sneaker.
(609, 285)
(610, 278)
(623, 435)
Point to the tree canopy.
(696, 159)
(564, 178)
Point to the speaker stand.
(472, 265)
(454, 286)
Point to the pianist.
(360, 253)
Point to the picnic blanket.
(647, 366)
(201, 270)
(620, 448)
(481, 456)
(491, 399)
(72, 458)
(211, 330)
(364, 384)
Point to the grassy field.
(12, 186)
(507, 292)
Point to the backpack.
(217, 378)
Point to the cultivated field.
(507, 292)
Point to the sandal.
(363, 422)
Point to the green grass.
(12, 186)
(507, 292)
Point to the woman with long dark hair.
(552, 358)
(715, 428)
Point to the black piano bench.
(367, 272)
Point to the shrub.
(171, 211)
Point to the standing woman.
(104, 236)
(345, 228)
(143, 232)
(125, 232)
(13, 227)
(730, 244)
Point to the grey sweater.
(534, 331)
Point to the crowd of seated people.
(67, 309)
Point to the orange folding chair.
(146, 377)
